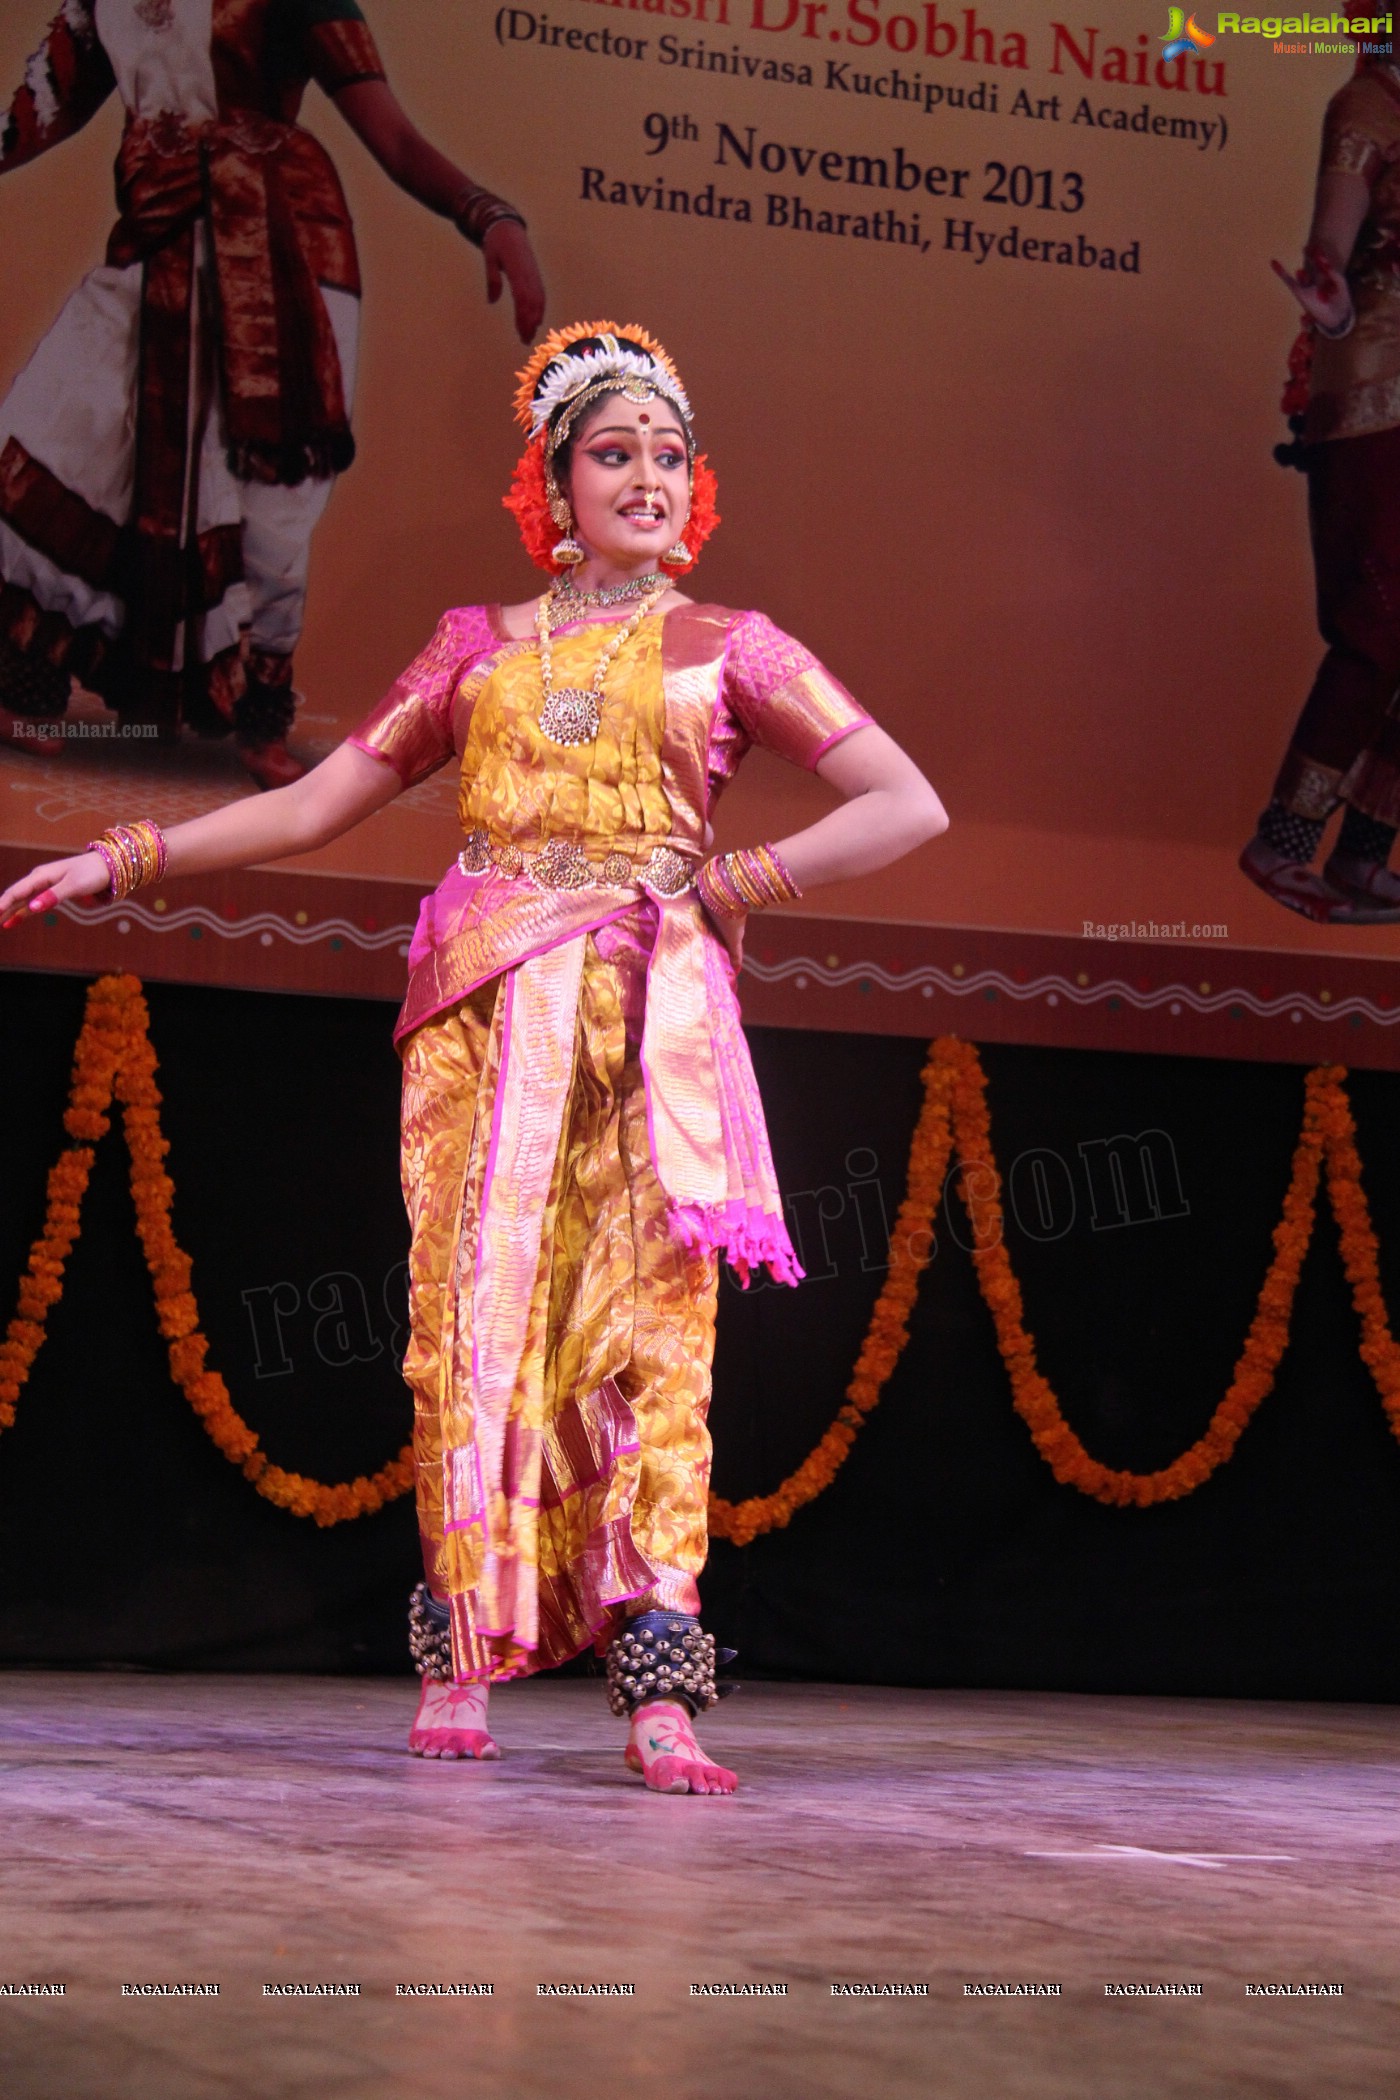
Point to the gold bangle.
(135, 854)
(746, 880)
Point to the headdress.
(576, 365)
(572, 368)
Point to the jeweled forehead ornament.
(577, 366)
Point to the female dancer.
(582, 1133)
(1345, 749)
(168, 450)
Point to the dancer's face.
(628, 482)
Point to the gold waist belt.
(564, 865)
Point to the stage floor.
(254, 1831)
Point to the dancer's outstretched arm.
(333, 798)
(374, 112)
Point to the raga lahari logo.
(1184, 34)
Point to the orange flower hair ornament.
(572, 368)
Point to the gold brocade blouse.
(562, 838)
(520, 786)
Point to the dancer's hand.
(511, 260)
(53, 882)
(1321, 290)
(374, 112)
(731, 932)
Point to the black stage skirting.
(945, 1552)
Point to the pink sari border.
(838, 736)
(492, 1150)
(372, 751)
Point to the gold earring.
(678, 557)
(568, 553)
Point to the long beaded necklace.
(574, 714)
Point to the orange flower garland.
(114, 1055)
(1360, 1252)
(1264, 1345)
(911, 1250)
(955, 1070)
(85, 1119)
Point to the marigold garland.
(114, 1055)
(1264, 1345)
(1360, 1249)
(114, 1058)
(911, 1249)
(956, 1097)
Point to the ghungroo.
(430, 1635)
(664, 1655)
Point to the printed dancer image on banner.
(168, 450)
(1344, 401)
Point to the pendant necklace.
(574, 714)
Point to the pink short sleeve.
(782, 696)
(411, 728)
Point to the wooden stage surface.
(254, 1831)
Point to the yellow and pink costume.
(582, 1132)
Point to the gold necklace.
(567, 593)
(574, 714)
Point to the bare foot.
(662, 1747)
(451, 1722)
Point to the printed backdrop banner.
(975, 307)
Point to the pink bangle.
(748, 880)
(109, 862)
(133, 855)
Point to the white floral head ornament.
(578, 365)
